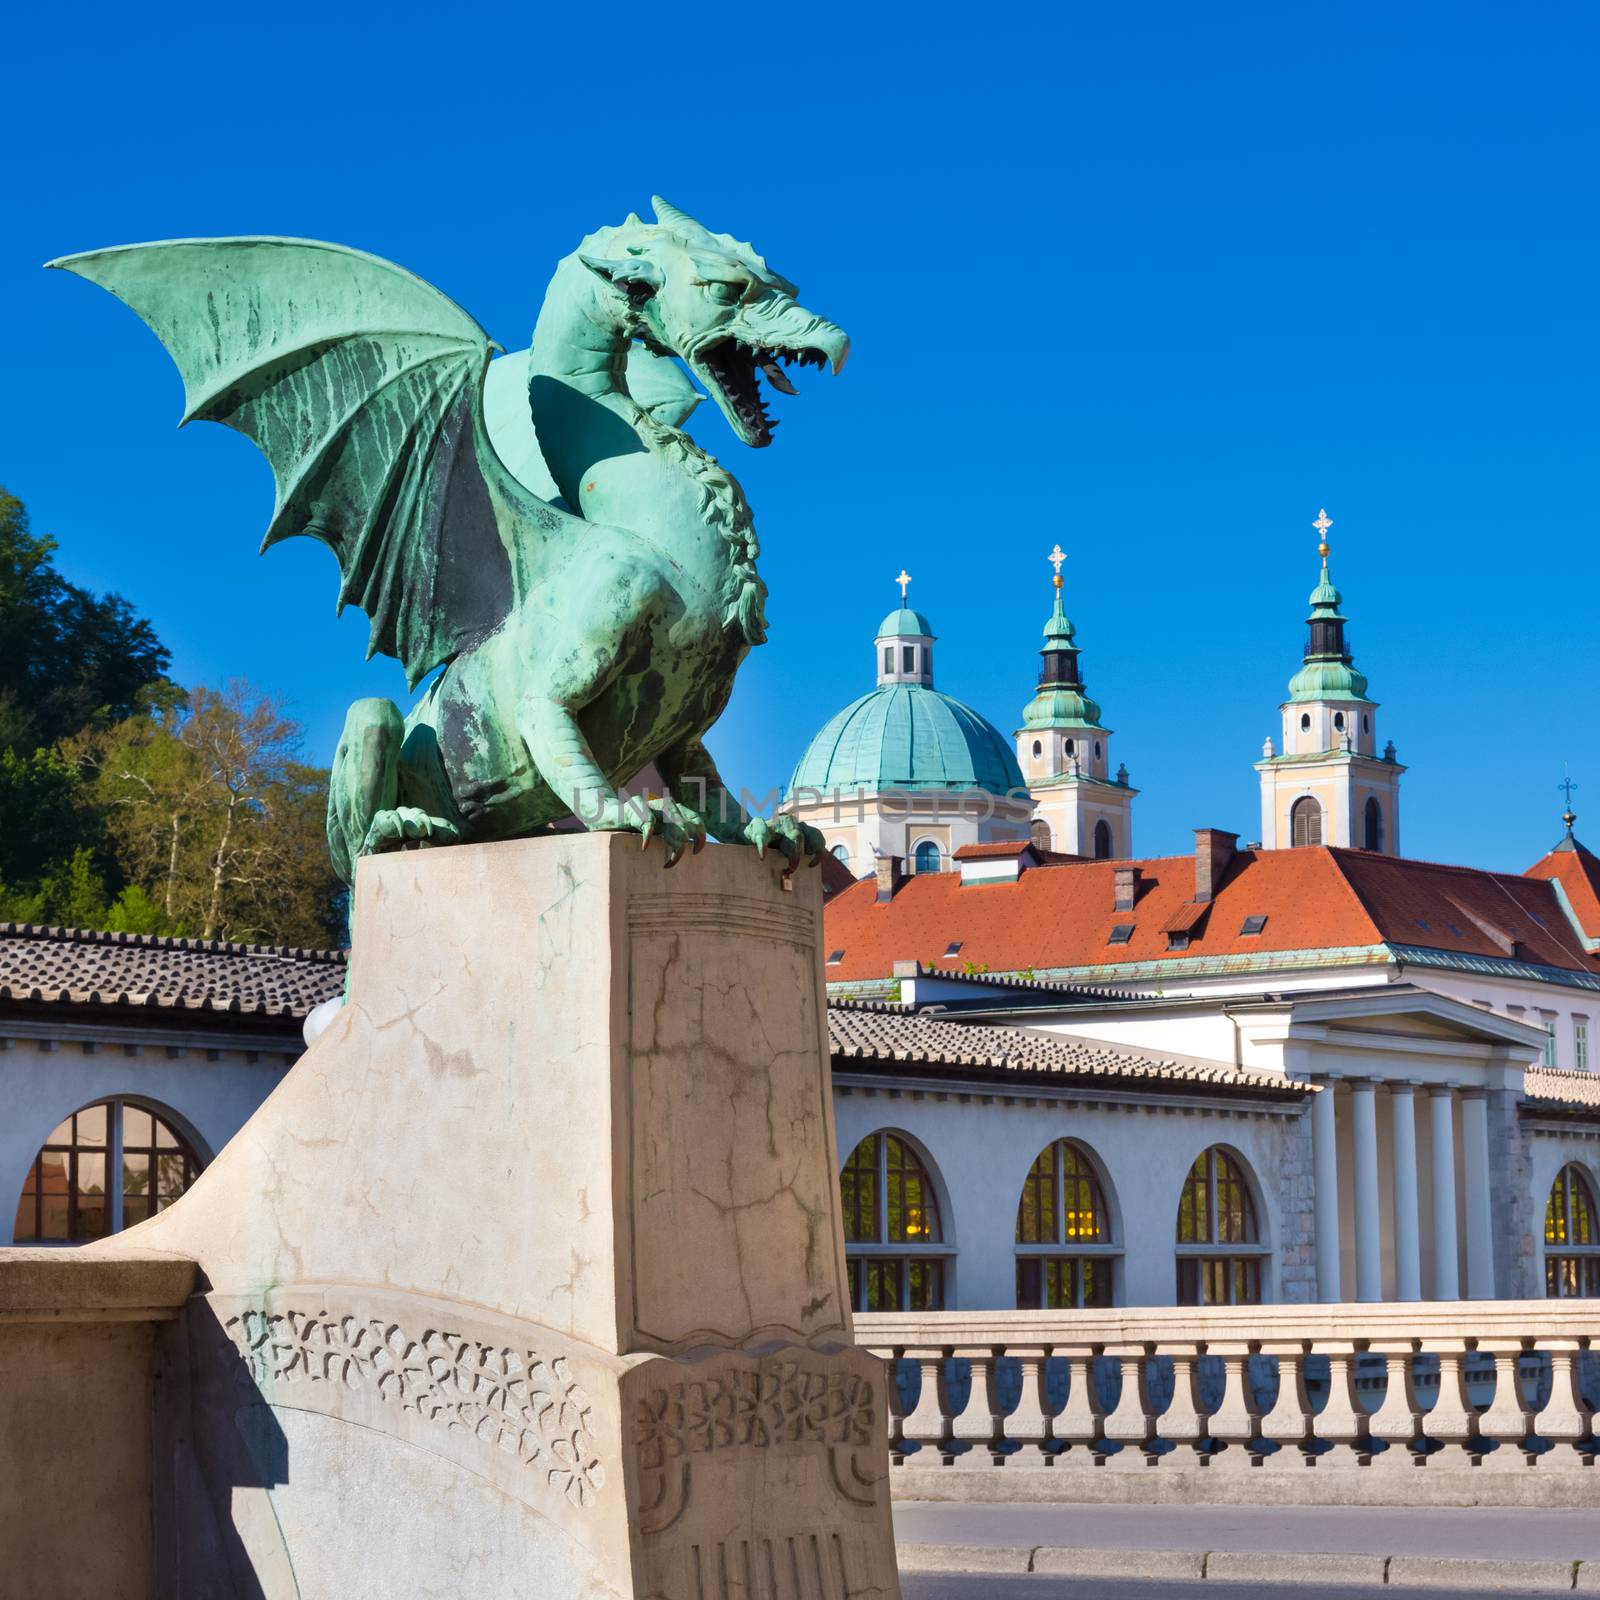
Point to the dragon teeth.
(778, 378)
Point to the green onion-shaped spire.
(1060, 701)
(1329, 672)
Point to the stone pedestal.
(528, 1277)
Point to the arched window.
(1038, 749)
(1305, 722)
(66, 1197)
(1305, 821)
(927, 857)
(1372, 827)
(1220, 1257)
(1366, 723)
(891, 1218)
(1097, 749)
(1070, 747)
(1039, 834)
(1102, 840)
(1064, 1247)
(1571, 1238)
(841, 854)
(1338, 721)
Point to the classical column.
(1325, 1176)
(1369, 1236)
(1446, 1274)
(1475, 1180)
(1407, 1226)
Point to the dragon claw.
(405, 827)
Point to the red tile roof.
(1061, 916)
(1577, 869)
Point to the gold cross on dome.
(903, 580)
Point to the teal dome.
(904, 621)
(1328, 680)
(907, 736)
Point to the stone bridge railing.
(1480, 1402)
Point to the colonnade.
(1406, 1221)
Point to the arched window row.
(892, 1228)
(1220, 1257)
(72, 1192)
(1065, 1252)
(1571, 1238)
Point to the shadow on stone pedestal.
(528, 1277)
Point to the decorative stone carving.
(509, 1399)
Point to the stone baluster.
(1453, 1422)
(1236, 1423)
(1290, 1422)
(1565, 1422)
(890, 1357)
(1343, 1422)
(1508, 1421)
(1028, 1426)
(1397, 1420)
(928, 1425)
(1183, 1424)
(1081, 1427)
(1133, 1423)
(981, 1420)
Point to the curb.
(1455, 1574)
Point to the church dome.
(907, 736)
(905, 622)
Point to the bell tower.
(1065, 753)
(1328, 785)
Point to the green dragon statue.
(538, 525)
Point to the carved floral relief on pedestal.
(509, 1399)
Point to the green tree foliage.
(213, 816)
(67, 657)
(128, 805)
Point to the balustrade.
(1496, 1386)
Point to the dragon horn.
(669, 216)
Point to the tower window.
(1305, 722)
(908, 658)
(1366, 723)
(1038, 749)
(1071, 747)
(1372, 824)
(1097, 749)
(888, 658)
(1338, 720)
(1102, 840)
(1039, 834)
(1305, 821)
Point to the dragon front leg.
(690, 772)
(560, 751)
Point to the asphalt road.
(987, 1586)
(1520, 1534)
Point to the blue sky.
(1155, 281)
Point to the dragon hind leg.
(365, 813)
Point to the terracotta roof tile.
(1060, 916)
(1577, 869)
(1550, 1086)
(74, 966)
(882, 1034)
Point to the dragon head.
(716, 305)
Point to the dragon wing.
(362, 385)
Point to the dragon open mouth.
(734, 369)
